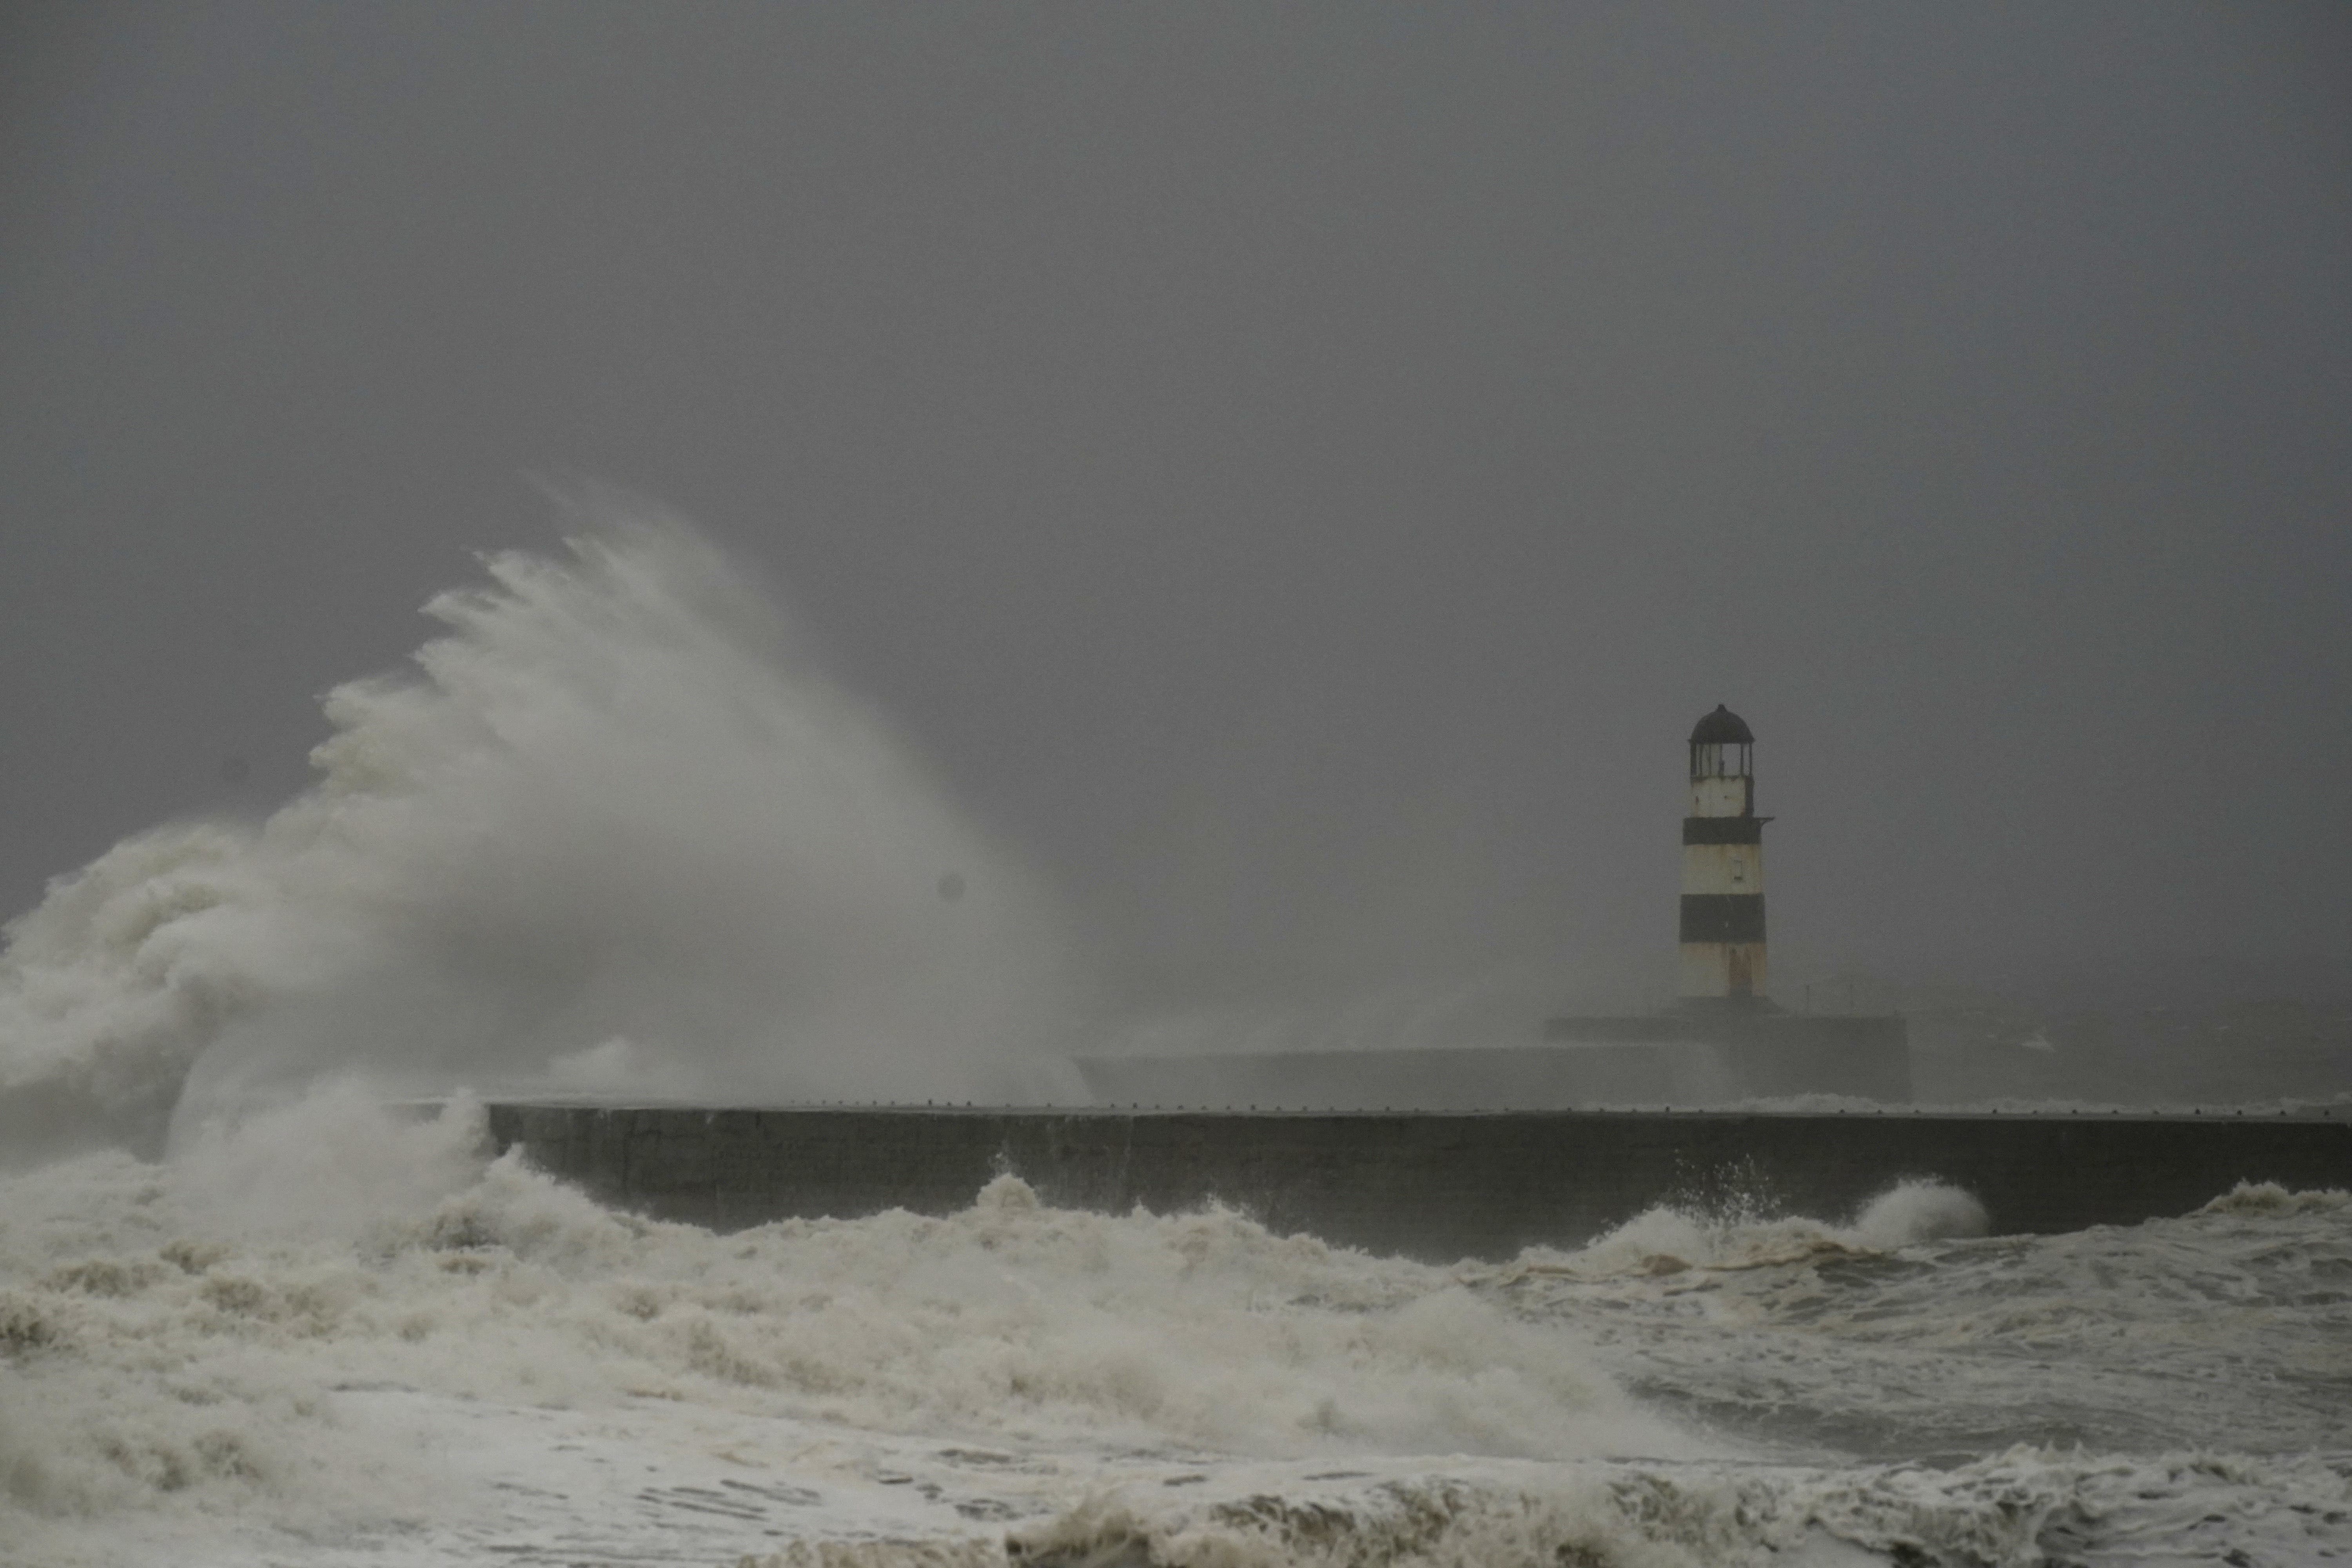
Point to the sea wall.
(1438, 1187)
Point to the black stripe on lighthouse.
(1723, 917)
(1724, 829)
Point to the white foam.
(334, 1323)
(182, 1331)
(1898, 1333)
(1738, 1231)
(2023, 1507)
(1913, 1212)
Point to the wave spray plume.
(614, 833)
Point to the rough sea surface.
(336, 1335)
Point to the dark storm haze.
(1292, 476)
(967, 551)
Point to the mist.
(1280, 486)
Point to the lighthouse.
(1724, 1044)
(1723, 870)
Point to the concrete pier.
(1436, 1188)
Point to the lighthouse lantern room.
(1723, 870)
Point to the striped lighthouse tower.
(1722, 870)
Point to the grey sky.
(1297, 471)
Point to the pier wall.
(1437, 1187)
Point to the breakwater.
(1437, 1187)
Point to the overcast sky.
(1299, 472)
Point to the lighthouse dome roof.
(1723, 728)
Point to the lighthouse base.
(1745, 1006)
(1721, 1058)
(1709, 1052)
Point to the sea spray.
(1919, 1211)
(613, 809)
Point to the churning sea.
(337, 1336)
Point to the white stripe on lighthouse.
(1723, 867)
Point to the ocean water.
(614, 831)
(335, 1334)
